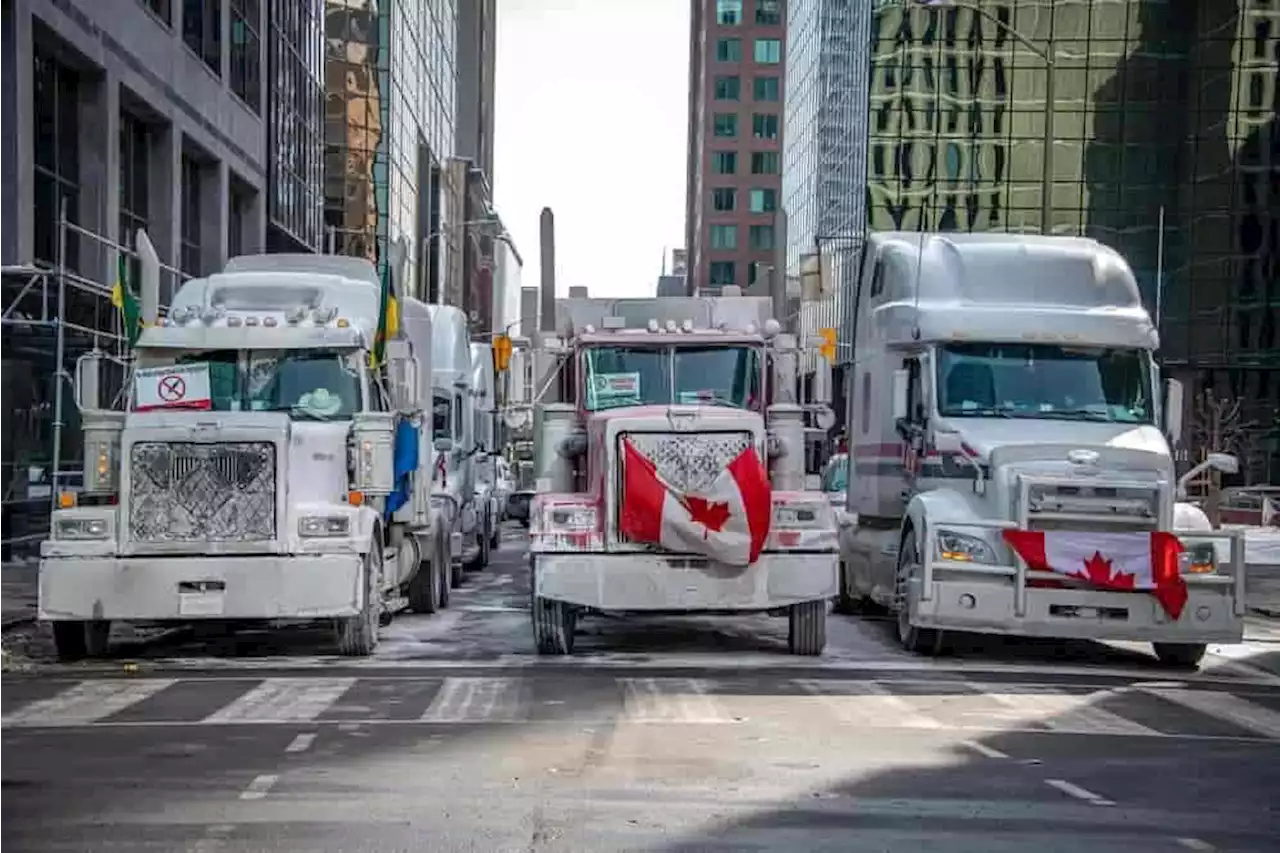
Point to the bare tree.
(1217, 426)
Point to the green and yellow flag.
(123, 297)
(388, 318)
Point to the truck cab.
(1008, 383)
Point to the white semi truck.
(1008, 383)
(670, 468)
(459, 453)
(259, 469)
(490, 497)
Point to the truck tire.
(482, 554)
(848, 602)
(444, 573)
(424, 588)
(1180, 655)
(358, 635)
(495, 536)
(913, 639)
(807, 628)
(74, 641)
(554, 623)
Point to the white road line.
(259, 787)
(1223, 706)
(1079, 793)
(1196, 844)
(301, 743)
(1069, 713)
(283, 700)
(87, 702)
(982, 749)
(478, 700)
(867, 703)
(670, 700)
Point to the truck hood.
(985, 435)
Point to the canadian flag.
(1123, 561)
(729, 523)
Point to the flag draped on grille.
(1120, 561)
(388, 318)
(729, 523)
(124, 299)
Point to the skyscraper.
(735, 140)
(295, 126)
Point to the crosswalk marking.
(283, 700)
(1223, 706)
(478, 700)
(867, 703)
(1068, 713)
(670, 700)
(87, 702)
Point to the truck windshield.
(307, 384)
(652, 375)
(1045, 381)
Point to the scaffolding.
(51, 316)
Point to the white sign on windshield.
(608, 385)
(176, 386)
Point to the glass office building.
(295, 126)
(1165, 145)
(390, 89)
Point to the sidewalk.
(18, 595)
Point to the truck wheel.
(482, 553)
(848, 603)
(807, 631)
(495, 536)
(74, 641)
(444, 573)
(913, 639)
(424, 588)
(358, 635)
(1180, 655)
(554, 623)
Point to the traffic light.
(828, 346)
(501, 352)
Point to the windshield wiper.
(1081, 414)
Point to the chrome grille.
(690, 461)
(1092, 506)
(188, 492)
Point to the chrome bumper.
(196, 588)
(625, 582)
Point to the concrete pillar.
(168, 218)
(109, 144)
(17, 237)
(99, 145)
(214, 197)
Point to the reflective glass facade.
(390, 80)
(1164, 145)
(295, 130)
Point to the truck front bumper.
(990, 607)
(196, 588)
(626, 582)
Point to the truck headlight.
(311, 526)
(1199, 559)
(572, 517)
(964, 549)
(802, 516)
(80, 528)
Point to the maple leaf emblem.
(1099, 570)
(711, 515)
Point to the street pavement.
(660, 735)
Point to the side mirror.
(88, 381)
(1173, 410)
(1224, 462)
(444, 445)
(901, 387)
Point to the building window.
(56, 151)
(763, 201)
(190, 262)
(760, 236)
(764, 126)
(246, 47)
(724, 199)
(202, 31)
(767, 89)
(724, 236)
(728, 88)
(135, 185)
(728, 50)
(721, 272)
(768, 51)
(764, 162)
(725, 125)
(724, 162)
(768, 12)
(755, 270)
(728, 12)
(161, 9)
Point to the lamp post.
(1046, 179)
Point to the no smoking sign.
(184, 386)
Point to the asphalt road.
(664, 735)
